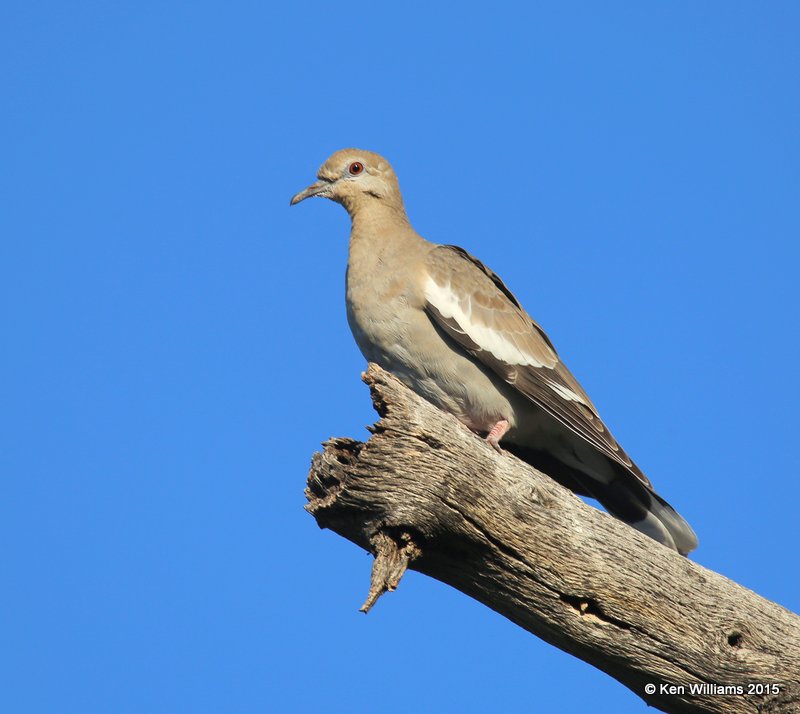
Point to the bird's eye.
(356, 168)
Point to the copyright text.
(707, 688)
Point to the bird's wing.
(475, 309)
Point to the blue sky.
(175, 343)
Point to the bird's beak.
(319, 188)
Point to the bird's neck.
(380, 233)
(371, 215)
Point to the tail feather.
(682, 533)
(631, 501)
(624, 496)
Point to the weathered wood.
(426, 493)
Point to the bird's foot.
(497, 432)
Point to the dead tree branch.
(425, 493)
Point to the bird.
(448, 327)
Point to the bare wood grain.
(424, 493)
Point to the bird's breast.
(392, 329)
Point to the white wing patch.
(565, 392)
(445, 300)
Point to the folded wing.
(473, 307)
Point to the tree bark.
(425, 493)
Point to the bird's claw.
(497, 432)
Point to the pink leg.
(497, 432)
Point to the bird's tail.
(682, 533)
(639, 506)
(622, 494)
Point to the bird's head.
(356, 179)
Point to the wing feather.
(475, 308)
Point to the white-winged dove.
(448, 327)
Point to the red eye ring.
(355, 168)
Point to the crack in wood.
(589, 607)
